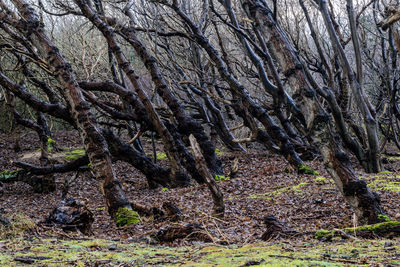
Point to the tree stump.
(218, 197)
(71, 215)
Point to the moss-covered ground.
(55, 252)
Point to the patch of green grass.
(50, 143)
(164, 189)
(159, 155)
(383, 182)
(385, 172)
(391, 158)
(381, 185)
(162, 156)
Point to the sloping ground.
(265, 184)
(53, 252)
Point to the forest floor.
(265, 184)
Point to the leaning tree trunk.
(94, 142)
(249, 104)
(363, 105)
(177, 172)
(186, 124)
(365, 203)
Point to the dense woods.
(309, 80)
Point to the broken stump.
(71, 215)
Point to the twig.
(137, 135)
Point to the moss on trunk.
(125, 216)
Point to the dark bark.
(74, 165)
(155, 174)
(140, 116)
(366, 109)
(56, 110)
(365, 203)
(71, 215)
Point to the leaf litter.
(265, 184)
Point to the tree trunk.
(277, 134)
(365, 203)
(186, 124)
(95, 145)
(216, 193)
(169, 143)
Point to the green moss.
(125, 216)
(324, 234)
(218, 152)
(74, 154)
(159, 155)
(221, 178)
(307, 170)
(164, 189)
(384, 184)
(386, 172)
(59, 252)
(383, 218)
(374, 228)
(297, 189)
(162, 156)
(50, 143)
(391, 158)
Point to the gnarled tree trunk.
(95, 144)
(365, 203)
